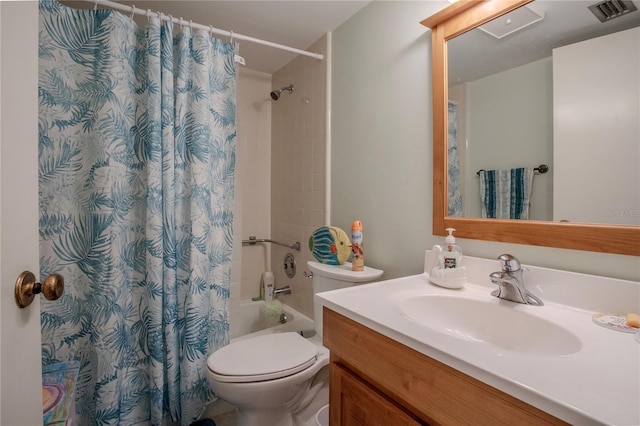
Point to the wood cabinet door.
(353, 402)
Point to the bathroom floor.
(229, 419)
(225, 419)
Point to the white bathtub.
(250, 321)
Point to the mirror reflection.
(547, 85)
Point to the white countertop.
(598, 384)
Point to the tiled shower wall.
(298, 168)
(252, 209)
(280, 175)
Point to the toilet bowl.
(273, 378)
(266, 377)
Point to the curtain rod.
(231, 34)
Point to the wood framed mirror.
(454, 20)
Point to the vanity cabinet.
(362, 404)
(377, 381)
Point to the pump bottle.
(452, 254)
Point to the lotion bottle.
(451, 253)
(268, 283)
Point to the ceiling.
(300, 23)
(291, 23)
(476, 54)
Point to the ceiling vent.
(610, 9)
(512, 21)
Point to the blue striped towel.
(506, 193)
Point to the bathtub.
(249, 321)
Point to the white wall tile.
(253, 186)
(298, 168)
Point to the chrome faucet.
(283, 290)
(510, 282)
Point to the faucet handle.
(509, 263)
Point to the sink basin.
(490, 323)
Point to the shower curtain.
(454, 194)
(136, 179)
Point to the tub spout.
(284, 290)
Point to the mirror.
(508, 81)
(451, 22)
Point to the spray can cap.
(450, 238)
(356, 225)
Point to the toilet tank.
(334, 277)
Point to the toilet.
(272, 378)
(332, 277)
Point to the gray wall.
(381, 132)
(382, 147)
(511, 113)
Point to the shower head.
(275, 95)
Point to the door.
(353, 402)
(20, 359)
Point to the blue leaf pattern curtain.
(136, 180)
(454, 194)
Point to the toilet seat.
(267, 357)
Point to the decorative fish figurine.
(330, 245)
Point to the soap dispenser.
(451, 254)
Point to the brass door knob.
(26, 288)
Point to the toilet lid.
(266, 357)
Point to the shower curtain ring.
(148, 15)
(133, 11)
(95, 5)
(231, 39)
(191, 25)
